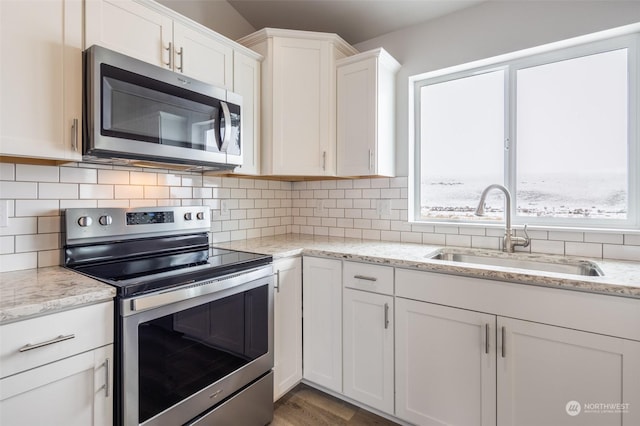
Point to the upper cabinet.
(366, 114)
(41, 79)
(298, 100)
(246, 83)
(153, 34)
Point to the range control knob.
(105, 220)
(200, 215)
(85, 221)
(187, 216)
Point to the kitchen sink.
(574, 267)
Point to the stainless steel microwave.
(140, 114)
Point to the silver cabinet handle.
(386, 315)
(364, 277)
(180, 53)
(61, 338)
(74, 134)
(324, 160)
(169, 50)
(370, 160)
(504, 342)
(107, 376)
(277, 286)
(486, 338)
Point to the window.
(558, 129)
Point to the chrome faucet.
(510, 240)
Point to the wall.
(37, 194)
(218, 15)
(489, 29)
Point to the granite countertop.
(621, 278)
(34, 292)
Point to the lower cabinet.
(75, 391)
(368, 348)
(322, 322)
(452, 368)
(287, 369)
(445, 365)
(556, 376)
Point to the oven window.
(182, 353)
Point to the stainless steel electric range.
(194, 325)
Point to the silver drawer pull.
(364, 277)
(58, 339)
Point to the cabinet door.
(322, 322)
(75, 391)
(202, 57)
(129, 28)
(356, 118)
(246, 83)
(368, 348)
(445, 365)
(553, 376)
(40, 78)
(303, 137)
(287, 370)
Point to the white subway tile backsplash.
(7, 171)
(410, 237)
(180, 192)
(458, 240)
(566, 236)
(78, 175)
(592, 237)
(82, 204)
(96, 192)
(128, 191)
(18, 261)
(352, 233)
(49, 224)
(491, 243)
(371, 234)
(61, 191)
(582, 249)
(170, 179)
(108, 204)
(625, 252)
(18, 190)
(48, 258)
(37, 208)
(434, 239)
(33, 173)
(444, 229)
(192, 180)
(156, 192)
(390, 236)
(7, 245)
(113, 177)
(547, 246)
(144, 178)
(632, 239)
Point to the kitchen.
(34, 192)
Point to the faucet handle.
(527, 240)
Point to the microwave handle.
(224, 143)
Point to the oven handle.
(191, 289)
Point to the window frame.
(511, 63)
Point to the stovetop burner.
(138, 258)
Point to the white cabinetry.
(41, 79)
(287, 325)
(445, 365)
(368, 324)
(554, 354)
(298, 100)
(58, 369)
(544, 368)
(366, 114)
(152, 33)
(246, 83)
(322, 322)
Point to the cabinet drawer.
(25, 344)
(364, 276)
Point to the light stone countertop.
(621, 278)
(34, 292)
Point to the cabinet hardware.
(324, 160)
(58, 339)
(74, 134)
(106, 365)
(180, 53)
(504, 342)
(370, 160)
(168, 49)
(364, 277)
(486, 338)
(277, 286)
(386, 315)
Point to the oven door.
(182, 359)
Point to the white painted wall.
(218, 15)
(489, 29)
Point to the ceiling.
(354, 20)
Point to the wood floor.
(306, 406)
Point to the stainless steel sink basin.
(580, 267)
